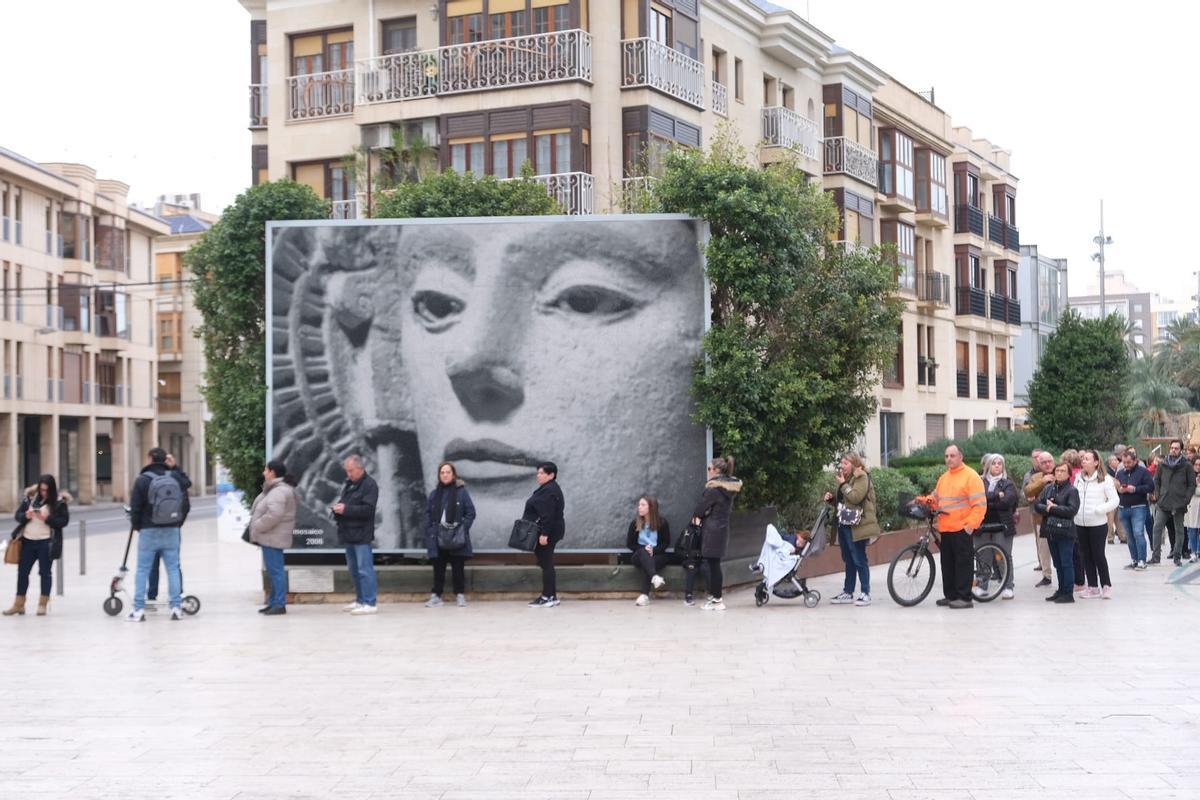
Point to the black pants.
(691, 571)
(458, 576)
(545, 558)
(1078, 556)
(957, 555)
(1091, 547)
(34, 551)
(716, 580)
(648, 565)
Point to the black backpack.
(164, 497)
(688, 544)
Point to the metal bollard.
(83, 547)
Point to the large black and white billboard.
(493, 343)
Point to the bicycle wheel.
(911, 575)
(991, 572)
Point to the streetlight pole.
(1102, 241)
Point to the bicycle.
(912, 571)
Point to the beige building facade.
(77, 348)
(592, 94)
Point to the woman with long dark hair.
(41, 517)
(712, 515)
(272, 521)
(647, 538)
(448, 510)
(1060, 500)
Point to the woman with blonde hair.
(857, 524)
(1097, 499)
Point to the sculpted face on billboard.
(495, 344)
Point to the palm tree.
(1177, 354)
(1154, 399)
(1130, 333)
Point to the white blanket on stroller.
(776, 559)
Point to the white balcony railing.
(258, 105)
(321, 94)
(343, 209)
(783, 127)
(848, 157)
(634, 192)
(720, 99)
(645, 62)
(572, 190)
(477, 66)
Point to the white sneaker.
(176, 614)
(137, 615)
(658, 581)
(363, 611)
(1008, 594)
(352, 607)
(643, 600)
(713, 605)
(862, 600)
(1193, 558)
(433, 602)
(845, 598)
(1141, 565)
(460, 600)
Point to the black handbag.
(246, 537)
(1058, 527)
(524, 535)
(688, 544)
(451, 538)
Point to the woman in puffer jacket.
(1097, 498)
(1002, 498)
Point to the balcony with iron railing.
(720, 99)
(934, 288)
(320, 95)
(1001, 387)
(1012, 238)
(476, 66)
(635, 192)
(962, 383)
(847, 157)
(968, 219)
(981, 385)
(783, 127)
(650, 64)
(995, 230)
(972, 301)
(998, 306)
(572, 190)
(343, 209)
(1014, 312)
(258, 105)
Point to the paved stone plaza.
(600, 700)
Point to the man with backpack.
(185, 483)
(156, 510)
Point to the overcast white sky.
(1092, 100)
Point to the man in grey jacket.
(1173, 490)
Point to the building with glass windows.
(1042, 290)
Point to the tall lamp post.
(1103, 241)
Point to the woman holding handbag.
(449, 513)
(857, 524)
(40, 518)
(272, 522)
(1058, 504)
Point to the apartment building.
(592, 94)
(182, 410)
(1126, 301)
(1042, 291)
(77, 347)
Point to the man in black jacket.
(156, 538)
(545, 507)
(355, 515)
(1173, 486)
(185, 483)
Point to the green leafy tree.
(1154, 399)
(1077, 397)
(800, 331)
(228, 264)
(450, 194)
(378, 171)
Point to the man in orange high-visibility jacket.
(961, 499)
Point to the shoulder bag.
(12, 553)
(852, 515)
(451, 538)
(524, 535)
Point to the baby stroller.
(779, 564)
(113, 604)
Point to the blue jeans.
(1193, 535)
(1062, 550)
(1133, 518)
(854, 556)
(273, 564)
(362, 569)
(152, 542)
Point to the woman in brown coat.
(856, 495)
(272, 520)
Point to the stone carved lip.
(490, 461)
